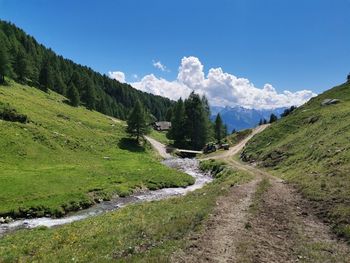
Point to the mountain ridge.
(240, 118)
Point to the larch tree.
(177, 131)
(46, 78)
(90, 95)
(21, 66)
(4, 65)
(273, 118)
(137, 121)
(73, 95)
(169, 114)
(219, 128)
(196, 122)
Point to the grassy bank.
(148, 232)
(64, 158)
(262, 188)
(237, 137)
(310, 148)
(160, 136)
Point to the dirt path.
(218, 242)
(159, 147)
(275, 225)
(283, 228)
(237, 148)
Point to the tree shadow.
(130, 144)
(66, 101)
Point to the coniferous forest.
(23, 59)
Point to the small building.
(162, 125)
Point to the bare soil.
(281, 229)
(159, 147)
(218, 242)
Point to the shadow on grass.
(131, 145)
(66, 101)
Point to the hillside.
(310, 148)
(65, 158)
(22, 58)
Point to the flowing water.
(189, 166)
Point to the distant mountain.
(240, 118)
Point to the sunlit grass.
(66, 158)
(311, 149)
(147, 232)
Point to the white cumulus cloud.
(117, 75)
(159, 86)
(159, 65)
(221, 88)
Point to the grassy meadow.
(147, 232)
(66, 158)
(311, 149)
(160, 136)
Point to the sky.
(252, 53)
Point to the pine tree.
(348, 77)
(264, 121)
(90, 95)
(273, 118)
(59, 86)
(218, 128)
(137, 121)
(206, 106)
(177, 131)
(169, 114)
(76, 79)
(4, 65)
(261, 122)
(73, 95)
(102, 106)
(197, 123)
(21, 66)
(288, 111)
(46, 79)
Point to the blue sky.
(293, 45)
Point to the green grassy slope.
(311, 148)
(235, 138)
(160, 136)
(57, 162)
(146, 232)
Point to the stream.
(189, 166)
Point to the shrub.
(7, 113)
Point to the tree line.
(191, 125)
(190, 119)
(26, 61)
(274, 118)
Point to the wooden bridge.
(189, 151)
(182, 152)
